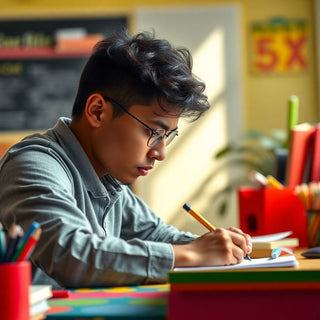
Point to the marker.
(34, 226)
(203, 221)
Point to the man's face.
(120, 145)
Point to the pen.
(203, 221)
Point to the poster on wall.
(40, 65)
(279, 46)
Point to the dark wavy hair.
(138, 69)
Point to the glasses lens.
(171, 135)
(158, 135)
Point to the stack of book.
(39, 295)
(262, 246)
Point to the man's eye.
(156, 133)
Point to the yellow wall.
(265, 97)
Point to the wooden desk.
(261, 299)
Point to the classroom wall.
(264, 97)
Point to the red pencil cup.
(15, 280)
(270, 210)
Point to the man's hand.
(218, 247)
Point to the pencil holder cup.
(15, 280)
(313, 228)
(270, 210)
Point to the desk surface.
(305, 263)
(143, 302)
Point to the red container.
(15, 280)
(270, 210)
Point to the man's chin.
(127, 182)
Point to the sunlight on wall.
(189, 173)
(189, 159)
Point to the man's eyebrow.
(162, 124)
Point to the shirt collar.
(75, 152)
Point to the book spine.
(315, 165)
(299, 154)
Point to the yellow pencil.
(203, 221)
(199, 217)
(273, 182)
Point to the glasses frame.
(153, 133)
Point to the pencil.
(198, 217)
(203, 221)
(34, 226)
(29, 247)
(273, 182)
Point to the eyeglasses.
(155, 135)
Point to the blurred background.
(252, 55)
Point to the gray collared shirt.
(95, 232)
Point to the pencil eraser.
(186, 207)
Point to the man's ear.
(95, 108)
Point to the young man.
(73, 178)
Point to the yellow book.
(262, 246)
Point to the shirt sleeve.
(73, 250)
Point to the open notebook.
(284, 261)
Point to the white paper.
(285, 261)
(271, 237)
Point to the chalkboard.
(36, 89)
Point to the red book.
(300, 153)
(315, 164)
